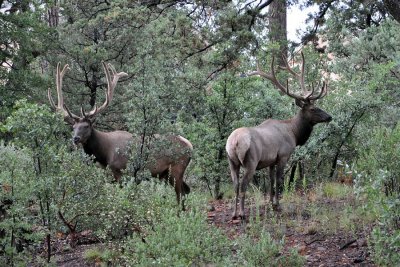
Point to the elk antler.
(111, 83)
(307, 95)
(61, 107)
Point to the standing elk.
(112, 149)
(271, 143)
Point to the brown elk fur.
(271, 143)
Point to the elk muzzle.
(329, 118)
(76, 139)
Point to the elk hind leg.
(247, 176)
(175, 178)
(234, 168)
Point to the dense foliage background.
(187, 63)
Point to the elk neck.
(301, 128)
(95, 146)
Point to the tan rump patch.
(238, 143)
(186, 141)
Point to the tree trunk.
(53, 17)
(277, 28)
(393, 8)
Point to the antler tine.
(60, 99)
(84, 115)
(272, 77)
(303, 87)
(322, 93)
(111, 83)
(51, 98)
(68, 111)
(306, 95)
(300, 77)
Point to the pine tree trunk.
(278, 28)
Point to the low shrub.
(263, 250)
(176, 238)
(377, 184)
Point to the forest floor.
(327, 231)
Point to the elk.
(112, 149)
(271, 143)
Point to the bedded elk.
(271, 143)
(112, 149)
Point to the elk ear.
(299, 103)
(69, 120)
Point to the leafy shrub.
(378, 183)
(16, 228)
(174, 239)
(382, 154)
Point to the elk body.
(112, 149)
(271, 143)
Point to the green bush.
(18, 237)
(176, 238)
(382, 154)
(378, 184)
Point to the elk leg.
(247, 176)
(272, 181)
(117, 174)
(235, 179)
(176, 180)
(279, 179)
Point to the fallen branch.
(347, 244)
(316, 239)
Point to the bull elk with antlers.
(112, 149)
(271, 143)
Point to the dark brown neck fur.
(94, 147)
(302, 129)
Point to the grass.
(99, 257)
(336, 191)
(327, 207)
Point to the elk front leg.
(272, 181)
(279, 186)
(117, 173)
(235, 179)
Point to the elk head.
(305, 100)
(83, 125)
